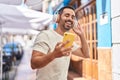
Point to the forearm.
(85, 47)
(41, 61)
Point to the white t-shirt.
(58, 68)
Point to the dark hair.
(61, 10)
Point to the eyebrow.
(69, 14)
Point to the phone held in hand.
(69, 37)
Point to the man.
(49, 56)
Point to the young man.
(49, 56)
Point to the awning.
(19, 17)
(11, 2)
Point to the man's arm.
(39, 59)
(85, 47)
(84, 50)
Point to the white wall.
(115, 8)
(115, 15)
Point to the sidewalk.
(24, 71)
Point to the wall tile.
(116, 58)
(115, 76)
(115, 8)
(116, 30)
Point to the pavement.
(24, 71)
(21, 70)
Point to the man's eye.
(67, 15)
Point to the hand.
(60, 49)
(78, 30)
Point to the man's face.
(67, 19)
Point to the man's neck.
(59, 31)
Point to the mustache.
(69, 21)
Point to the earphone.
(56, 17)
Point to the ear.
(56, 18)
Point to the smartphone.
(69, 37)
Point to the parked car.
(7, 59)
(6, 63)
(13, 49)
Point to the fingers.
(66, 51)
(75, 28)
(67, 54)
(58, 44)
(60, 50)
(62, 44)
(79, 27)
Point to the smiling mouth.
(69, 23)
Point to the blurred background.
(22, 20)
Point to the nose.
(70, 18)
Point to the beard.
(66, 28)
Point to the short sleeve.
(41, 43)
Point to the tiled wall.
(115, 8)
(115, 15)
(116, 30)
(116, 62)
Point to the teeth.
(68, 23)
